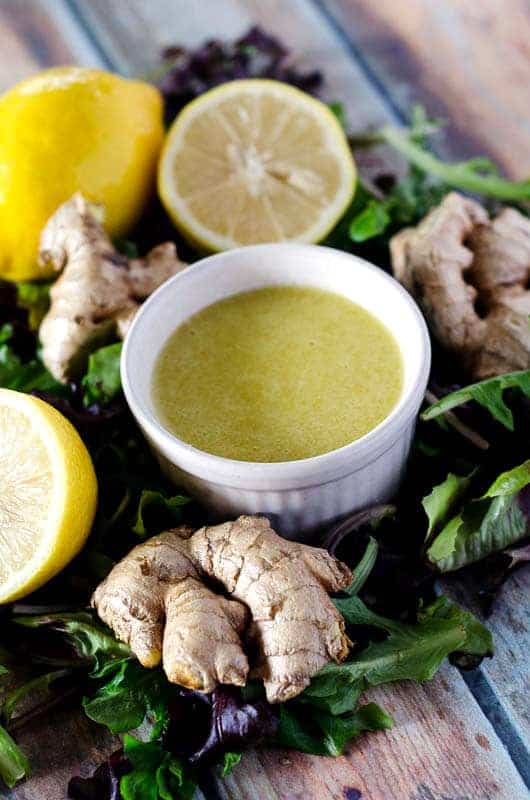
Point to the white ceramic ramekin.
(298, 496)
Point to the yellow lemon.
(48, 497)
(73, 129)
(255, 161)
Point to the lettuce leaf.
(372, 221)
(132, 692)
(39, 684)
(156, 774)
(104, 783)
(35, 298)
(154, 504)
(443, 499)
(325, 734)
(488, 393)
(325, 717)
(410, 651)
(486, 524)
(23, 376)
(14, 766)
(102, 381)
(364, 568)
(93, 643)
(477, 175)
(230, 760)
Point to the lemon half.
(255, 161)
(48, 497)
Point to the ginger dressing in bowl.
(277, 374)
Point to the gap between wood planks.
(476, 681)
(478, 684)
(76, 12)
(357, 55)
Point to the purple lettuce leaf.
(257, 54)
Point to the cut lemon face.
(48, 497)
(255, 161)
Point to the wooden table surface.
(463, 736)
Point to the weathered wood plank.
(442, 748)
(134, 35)
(305, 30)
(467, 62)
(35, 34)
(62, 745)
(506, 677)
(509, 673)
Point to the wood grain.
(468, 62)
(509, 672)
(35, 34)
(507, 675)
(134, 35)
(62, 745)
(442, 748)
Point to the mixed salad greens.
(465, 501)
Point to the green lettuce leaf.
(132, 692)
(511, 481)
(410, 651)
(372, 221)
(230, 760)
(156, 773)
(14, 766)
(40, 684)
(489, 394)
(337, 108)
(35, 297)
(478, 175)
(371, 217)
(485, 525)
(443, 499)
(102, 380)
(364, 567)
(23, 376)
(320, 733)
(154, 505)
(91, 640)
(326, 716)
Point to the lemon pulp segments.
(255, 161)
(48, 497)
(26, 503)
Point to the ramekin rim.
(299, 473)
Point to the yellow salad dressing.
(277, 374)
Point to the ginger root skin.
(295, 628)
(155, 601)
(98, 291)
(470, 275)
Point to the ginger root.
(294, 628)
(470, 274)
(155, 601)
(99, 290)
